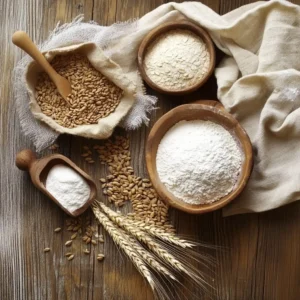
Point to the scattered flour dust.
(177, 59)
(68, 187)
(198, 161)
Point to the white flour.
(68, 187)
(177, 59)
(198, 161)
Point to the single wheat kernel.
(68, 243)
(70, 257)
(73, 236)
(47, 249)
(76, 228)
(100, 257)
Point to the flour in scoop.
(198, 161)
(68, 187)
(177, 60)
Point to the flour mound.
(68, 187)
(177, 59)
(198, 161)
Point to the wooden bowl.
(152, 35)
(39, 169)
(201, 110)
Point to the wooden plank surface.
(260, 255)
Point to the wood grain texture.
(260, 254)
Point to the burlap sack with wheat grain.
(105, 126)
(78, 32)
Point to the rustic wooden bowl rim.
(160, 128)
(152, 35)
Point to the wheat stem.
(122, 239)
(151, 260)
(143, 237)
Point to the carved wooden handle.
(24, 159)
(23, 41)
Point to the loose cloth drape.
(258, 82)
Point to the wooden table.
(260, 258)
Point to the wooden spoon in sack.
(23, 41)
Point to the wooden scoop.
(23, 41)
(39, 169)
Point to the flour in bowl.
(177, 60)
(198, 161)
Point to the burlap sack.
(107, 67)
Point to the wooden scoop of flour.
(39, 169)
(23, 41)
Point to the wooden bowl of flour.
(201, 110)
(155, 34)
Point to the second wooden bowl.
(201, 110)
(167, 27)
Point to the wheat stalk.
(147, 257)
(143, 237)
(160, 233)
(159, 250)
(151, 260)
(121, 238)
(151, 229)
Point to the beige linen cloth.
(258, 82)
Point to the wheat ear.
(163, 235)
(151, 260)
(143, 237)
(123, 241)
(151, 229)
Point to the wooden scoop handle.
(23, 41)
(24, 159)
